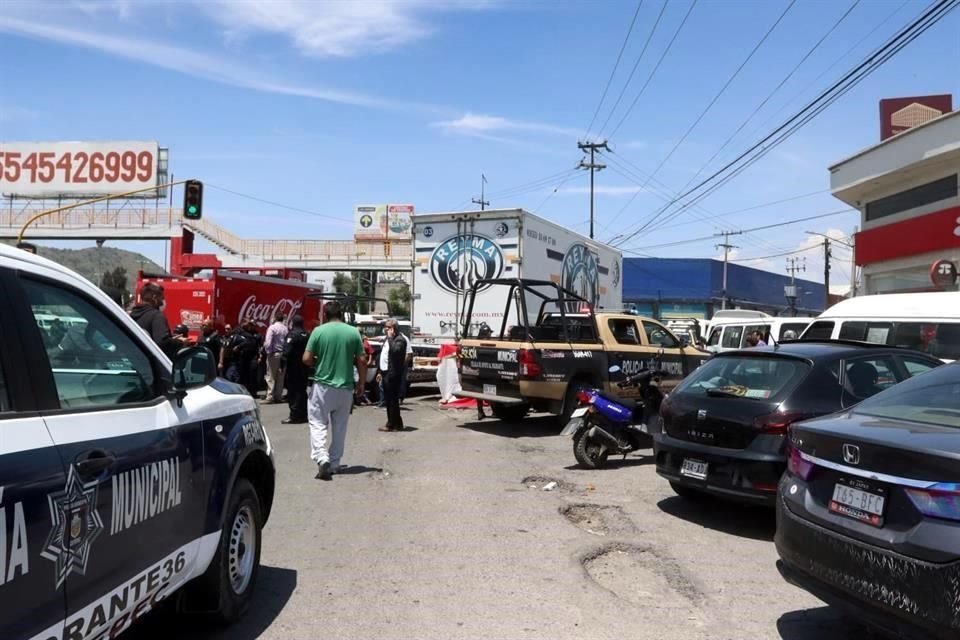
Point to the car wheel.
(686, 492)
(232, 575)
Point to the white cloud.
(197, 64)
(477, 124)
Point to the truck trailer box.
(454, 250)
(230, 298)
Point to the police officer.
(295, 373)
(210, 339)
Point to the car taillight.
(584, 396)
(798, 466)
(941, 500)
(529, 365)
(778, 422)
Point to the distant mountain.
(92, 262)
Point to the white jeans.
(328, 407)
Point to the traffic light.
(192, 200)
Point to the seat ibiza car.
(125, 479)
(868, 517)
(724, 427)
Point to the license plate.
(572, 427)
(853, 500)
(489, 389)
(694, 469)
(579, 413)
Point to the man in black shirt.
(210, 339)
(149, 315)
(295, 373)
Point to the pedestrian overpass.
(168, 223)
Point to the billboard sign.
(382, 222)
(900, 114)
(78, 169)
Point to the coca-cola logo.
(263, 314)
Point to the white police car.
(123, 480)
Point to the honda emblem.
(851, 454)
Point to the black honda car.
(868, 517)
(724, 427)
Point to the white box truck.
(454, 250)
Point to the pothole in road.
(541, 482)
(600, 520)
(642, 576)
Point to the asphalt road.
(444, 531)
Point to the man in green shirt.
(334, 348)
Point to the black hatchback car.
(869, 511)
(724, 427)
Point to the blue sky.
(326, 104)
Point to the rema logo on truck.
(460, 261)
(581, 273)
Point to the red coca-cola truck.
(230, 297)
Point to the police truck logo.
(75, 525)
(458, 262)
(366, 220)
(580, 273)
(501, 229)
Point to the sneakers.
(323, 471)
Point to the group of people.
(334, 357)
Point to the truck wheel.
(509, 412)
(588, 452)
(232, 575)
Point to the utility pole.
(483, 203)
(726, 246)
(826, 272)
(593, 167)
(794, 265)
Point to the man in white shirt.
(273, 345)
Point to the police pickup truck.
(519, 364)
(125, 479)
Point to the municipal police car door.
(120, 524)
(30, 470)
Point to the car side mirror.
(193, 367)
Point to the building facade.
(906, 189)
(667, 288)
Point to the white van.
(728, 330)
(928, 322)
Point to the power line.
(776, 255)
(634, 69)
(772, 93)
(839, 59)
(751, 230)
(725, 86)
(277, 204)
(879, 57)
(552, 193)
(759, 206)
(652, 73)
(616, 65)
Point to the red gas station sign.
(932, 232)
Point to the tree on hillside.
(114, 284)
(399, 301)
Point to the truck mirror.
(193, 368)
